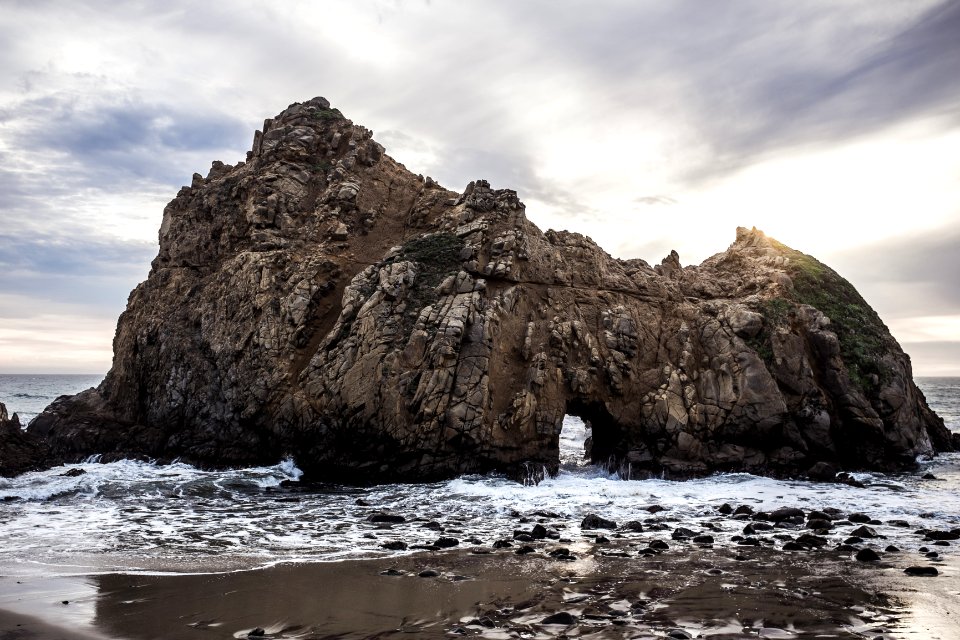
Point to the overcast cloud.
(649, 126)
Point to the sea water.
(138, 516)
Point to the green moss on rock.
(863, 336)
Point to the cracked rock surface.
(322, 301)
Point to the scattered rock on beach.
(446, 543)
(787, 513)
(634, 526)
(385, 518)
(593, 521)
(867, 555)
(395, 545)
(921, 571)
(561, 617)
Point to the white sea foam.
(132, 515)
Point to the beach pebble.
(655, 508)
(859, 518)
(867, 555)
(743, 510)
(928, 476)
(593, 521)
(392, 572)
(921, 571)
(524, 550)
(502, 544)
(953, 534)
(793, 546)
(725, 509)
(446, 543)
(892, 549)
(561, 617)
(659, 545)
(786, 513)
(602, 540)
(941, 543)
(679, 634)
(811, 540)
(681, 533)
(819, 523)
(704, 539)
(428, 573)
(385, 518)
(864, 532)
(634, 526)
(257, 633)
(395, 545)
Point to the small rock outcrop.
(321, 300)
(19, 451)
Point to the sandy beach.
(685, 591)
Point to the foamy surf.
(139, 516)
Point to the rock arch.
(321, 300)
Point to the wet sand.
(689, 591)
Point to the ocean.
(133, 516)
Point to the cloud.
(106, 109)
(909, 276)
(655, 200)
(934, 358)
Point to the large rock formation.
(322, 301)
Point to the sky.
(646, 125)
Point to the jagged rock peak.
(321, 300)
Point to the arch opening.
(590, 435)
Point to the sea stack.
(319, 300)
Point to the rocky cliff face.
(320, 300)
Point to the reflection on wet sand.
(728, 593)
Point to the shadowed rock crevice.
(322, 301)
